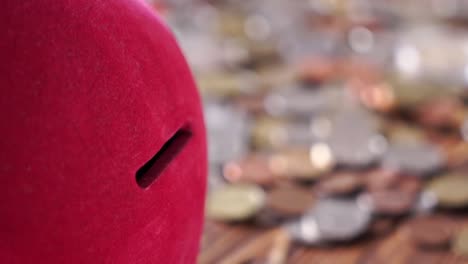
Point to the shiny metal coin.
(413, 157)
(227, 132)
(298, 163)
(460, 243)
(354, 140)
(392, 202)
(451, 190)
(235, 202)
(339, 219)
(340, 184)
(304, 231)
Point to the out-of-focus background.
(337, 129)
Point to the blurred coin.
(253, 104)
(381, 179)
(304, 231)
(460, 243)
(299, 164)
(354, 140)
(267, 218)
(382, 226)
(317, 69)
(409, 184)
(441, 112)
(289, 201)
(339, 219)
(235, 202)
(253, 168)
(398, 132)
(450, 190)
(431, 231)
(277, 76)
(343, 183)
(464, 129)
(298, 101)
(392, 202)
(426, 257)
(277, 133)
(377, 96)
(413, 157)
(457, 154)
(224, 84)
(426, 203)
(269, 133)
(227, 132)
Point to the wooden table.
(221, 242)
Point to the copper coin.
(340, 184)
(431, 231)
(441, 112)
(409, 184)
(382, 226)
(425, 257)
(290, 201)
(381, 179)
(252, 168)
(317, 69)
(392, 202)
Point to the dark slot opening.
(149, 172)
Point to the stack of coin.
(333, 121)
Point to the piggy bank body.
(102, 143)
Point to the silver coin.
(464, 129)
(354, 139)
(413, 157)
(304, 231)
(340, 220)
(227, 131)
(299, 134)
(298, 101)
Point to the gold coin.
(235, 202)
(301, 163)
(269, 133)
(460, 243)
(450, 190)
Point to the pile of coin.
(329, 120)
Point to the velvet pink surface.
(90, 91)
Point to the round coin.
(354, 140)
(297, 163)
(431, 231)
(235, 202)
(253, 168)
(381, 179)
(460, 243)
(450, 190)
(413, 157)
(392, 202)
(426, 257)
(339, 219)
(289, 201)
(340, 184)
(304, 230)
